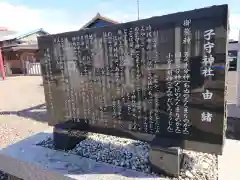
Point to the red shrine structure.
(3, 32)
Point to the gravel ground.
(17, 95)
(133, 154)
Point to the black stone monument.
(160, 80)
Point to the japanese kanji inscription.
(156, 76)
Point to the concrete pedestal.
(24, 160)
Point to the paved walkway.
(229, 162)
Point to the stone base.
(166, 161)
(165, 156)
(28, 161)
(64, 140)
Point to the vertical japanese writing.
(102, 81)
(83, 92)
(138, 75)
(177, 95)
(117, 40)
(75, 53)
(106, 78)
(150, 66)
(120, 39)
(113, 72)
(117, 70)
(49, 78)
(207, 71)
(169, 93)
(77, 50)
(61, 62)
(88, 68)
(156, 83)
(93, 82)
(60, 40)
(68, 56)
(72, 59)
(186, 75)
(142, 41)
(132, 77)
(102, 85)
(208, 59)
(127, 64)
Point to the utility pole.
(138, 8)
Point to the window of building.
(233, 62)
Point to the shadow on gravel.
(37, 113)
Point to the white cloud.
(23, 19)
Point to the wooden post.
(23, 62)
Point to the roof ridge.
(99, 16)
(30, 33)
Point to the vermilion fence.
(1, 66)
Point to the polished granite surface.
(163, 76)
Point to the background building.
(19, 50)
(233, 51)
(3, 33)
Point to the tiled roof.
(99, 16)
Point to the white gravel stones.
(118, 151)
(133, 154)
(201, 166)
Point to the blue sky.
(60, 15)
